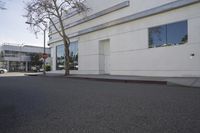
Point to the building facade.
(132, 37)
(17, 58)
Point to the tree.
(42, 11)
(2, 5)
(36, 60)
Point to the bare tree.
(43, 11)
(2, 5)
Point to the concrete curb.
(187, 82)
(184, 81)
(102, 79)
(32, 74)
(122, 80)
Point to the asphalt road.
(60, 105)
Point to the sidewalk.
(183, 81)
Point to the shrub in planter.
(48, 68)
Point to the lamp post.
(44, 54)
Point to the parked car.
(2, 70)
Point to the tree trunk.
(66, 45)
(66, 40)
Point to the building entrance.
(104, 54)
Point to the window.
(60, 57)
(168, 35)
(73, 56)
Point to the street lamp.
(44, 54)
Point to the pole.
(44, 30)
(44, 65)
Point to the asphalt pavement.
(62, 105)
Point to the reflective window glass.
(73, 56)
(177, 33)
(168, 35)
(73, 53)
(60, 57)
(157, 36)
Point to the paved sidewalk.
(121, 78)
(184, 81)
(12, 74)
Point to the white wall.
(130, 54)
(96, 6)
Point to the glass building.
(17, 58)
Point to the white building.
(15, 57)
(132, 37)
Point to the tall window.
(73, 55)
(168, 35)
(60, 57)
(73, 59)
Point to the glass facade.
(21, 58)
(73, 53)
(60, 57)
(17, 66)
(8, 53)
(3, 64)
(168, 35)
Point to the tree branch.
(55, 27)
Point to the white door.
(104, 61)
(107, 58)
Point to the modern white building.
(132, 37)
(17, 57)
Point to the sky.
(13, 28)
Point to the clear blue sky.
(13, 28)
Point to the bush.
(48, 68)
